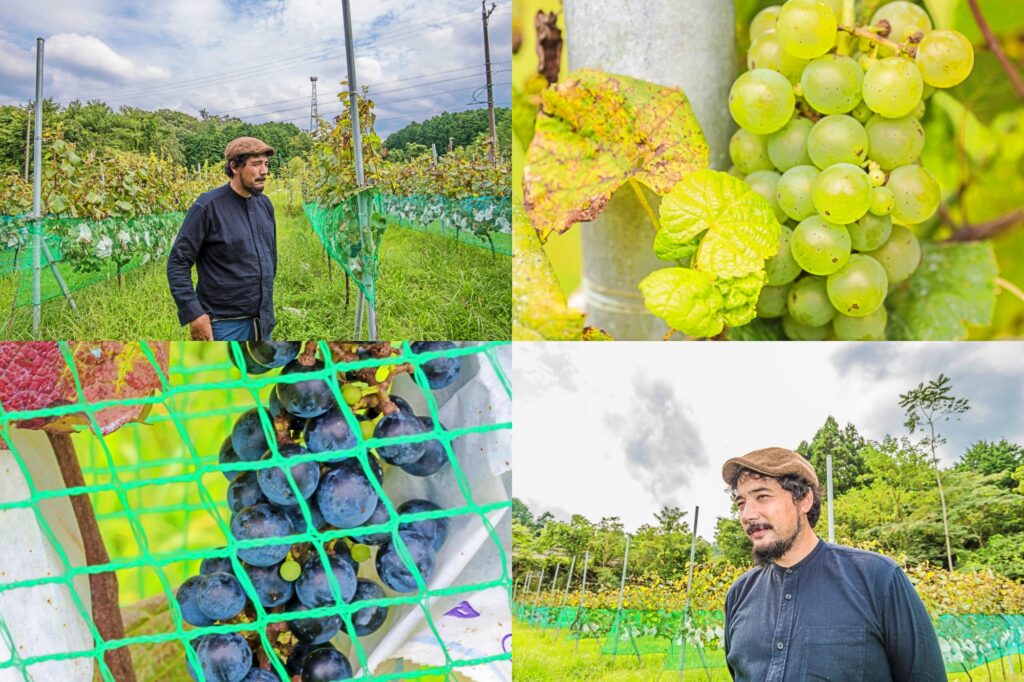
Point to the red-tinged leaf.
(34, 375)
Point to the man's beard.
(253, 188)
(764, 555)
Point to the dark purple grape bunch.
(336, 493)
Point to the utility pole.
(28, 133)
(312, 107)
(490, 85)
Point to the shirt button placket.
(783, 628)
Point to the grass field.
(429, 288)
(539, 657)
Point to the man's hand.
(201, 329)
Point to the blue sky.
(621, 429)
(254, 59)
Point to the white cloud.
(89, 57)
(678, 411)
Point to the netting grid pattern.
(157, 488)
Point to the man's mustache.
(754, 527)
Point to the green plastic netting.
(968, 641)
(482, 221)
(339, 233)
(85, 251)
(158, 490)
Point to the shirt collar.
(807, 560)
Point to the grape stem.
(1010, 287)
(867, 34)
(643, 203)
(996, 48)
(847, 17)
(985, 230)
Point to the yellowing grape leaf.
(738, 225)
(34, 376)
(595, 131)
(953, 287)
(539, 311)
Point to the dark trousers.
(239, 329)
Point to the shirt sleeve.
(273, 224)
(725, 630)
(910, 640)
(182, 257)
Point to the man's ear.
(806, 502)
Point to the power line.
(398, 80)
(322, 55)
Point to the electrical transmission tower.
(312, 107)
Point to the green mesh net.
(85, 251)
(967, 641)
(342, 238)
(481, 221)
(158, 490)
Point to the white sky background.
(253, 58)
(624, 428)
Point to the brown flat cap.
(246, 145)
(771, 462)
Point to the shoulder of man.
(209, 196)
(864, 560)
(740, 585)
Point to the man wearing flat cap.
(811, 610)
(230, 235)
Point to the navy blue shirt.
(232, 241)
(839, 614)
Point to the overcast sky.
(622, 429)
(253, 58)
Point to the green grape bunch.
(830, 134)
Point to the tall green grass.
(429, 288)
(541, 657)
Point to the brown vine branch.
(106, 611)
(997, 49)
(985, 230)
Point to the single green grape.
(832, 83)
(788, 147)
(806, 28)
(765, 182)
(736, 172)
(802, 332)
(905, 19)
(915, 192)
(862, 112)
(351, 394)
(868, 328)
(919, 110)
(900, 255)
(767, 53)
(870, 232)
(894, 141)
(782, 268)
(882, 200)
(794, 191)
(761, 101)
(893, 87)
(945, 58)
(771, 302)
(820, 247)
(877, 178)
(837, 139)
(842, 193)
(763, 21)
(749, 152)
(859, 287)
(808, 302)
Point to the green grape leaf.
(972, 135)
(739, 298)
(666, 249)
(686, 299)
(739, 227)
(539, 311)
(524, 116)
(953, 287)
(594, 132)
